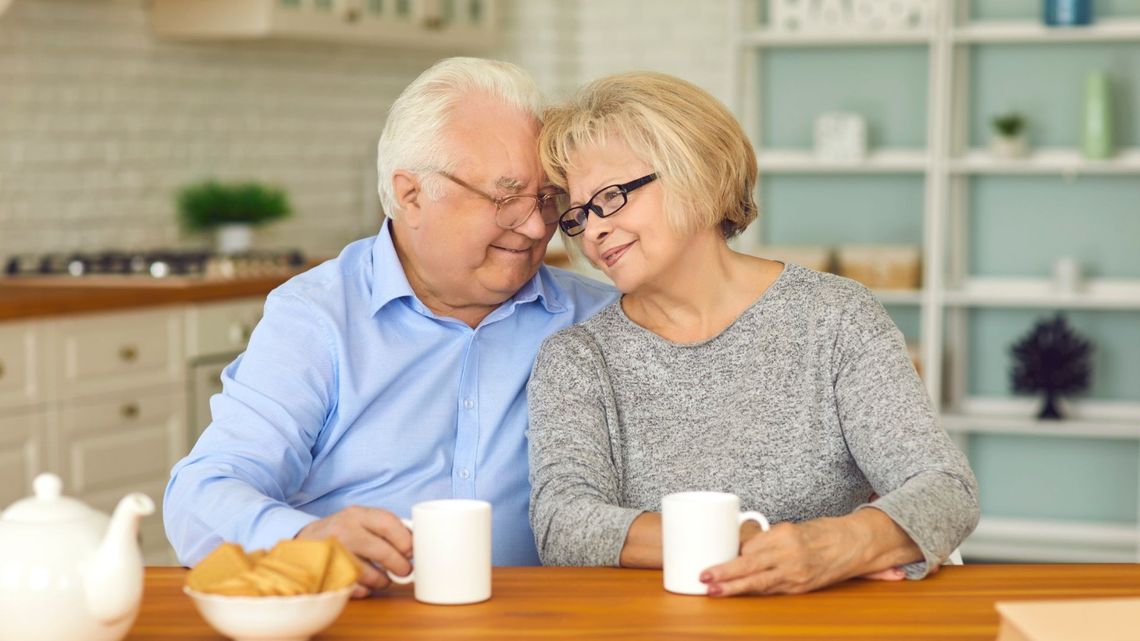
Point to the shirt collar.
(389, 282)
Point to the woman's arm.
(575, 507)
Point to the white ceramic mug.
(451, 547)
(700, 530)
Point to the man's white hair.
(413, 137)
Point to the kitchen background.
(103, 120)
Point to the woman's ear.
(408, 190)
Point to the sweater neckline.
(755, 307)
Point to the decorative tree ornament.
(1051, 359)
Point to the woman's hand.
(801, 557)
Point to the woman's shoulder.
(581, 339)
(808, 287)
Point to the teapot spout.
(113, 577)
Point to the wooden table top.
(605, 603)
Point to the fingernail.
(714, 590)
(706, 577)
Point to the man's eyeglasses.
(606, 202)
(513, 211)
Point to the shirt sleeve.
(575, 506)
(235, 484)
(923, 480)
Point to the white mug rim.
(452, 505)
(701, 497)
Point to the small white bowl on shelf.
(270, 618)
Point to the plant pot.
(234, 238)
(1008, 146)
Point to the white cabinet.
(20, 377)
(95, 354)
(112, 401)
(423, 24)
(21, 453)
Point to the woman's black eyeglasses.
(606, 202)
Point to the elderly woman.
(721, 371)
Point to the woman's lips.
(611, 257)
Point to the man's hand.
(377, 538)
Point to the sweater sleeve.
(924, 482)
(575, 476)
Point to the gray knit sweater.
(803, 407)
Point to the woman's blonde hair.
(705, 163)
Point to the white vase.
(234, 238)
(1008, 146)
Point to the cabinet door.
(21, 454)
(96, 354)
(124, 443)
(19, 365)
(221, 328)
(205, 381)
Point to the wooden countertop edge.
(27, 301)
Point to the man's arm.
(235, 484)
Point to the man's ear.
(408, 191)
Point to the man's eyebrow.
(509, 184)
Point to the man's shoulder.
(331, 281)
(583, 295)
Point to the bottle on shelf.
(1098, 116)
(1068, 13)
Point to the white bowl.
(270, 618)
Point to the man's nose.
(533, 227)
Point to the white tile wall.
(100, 122)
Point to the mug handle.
(755, 517)
(404, 580)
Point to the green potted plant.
(1009, 136)
(231, 210)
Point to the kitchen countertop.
(35, 297)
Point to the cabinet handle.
(1, 369)
(352, 15)
(130, 410)
(128, 353)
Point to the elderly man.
(396, 373)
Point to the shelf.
(899, 296)
(1051, 541)
(1002, 32)
(880, 161)
(1067, 162)
(1118, 294)
(1023, 425)
(768, 38)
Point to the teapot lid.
(47, 506)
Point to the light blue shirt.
(352, 392)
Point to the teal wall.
(801, 83)
(1017, 226)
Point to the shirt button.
(468, 403)
(465, 473)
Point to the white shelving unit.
(889, 161)
(949, 292)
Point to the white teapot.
(67, 572)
